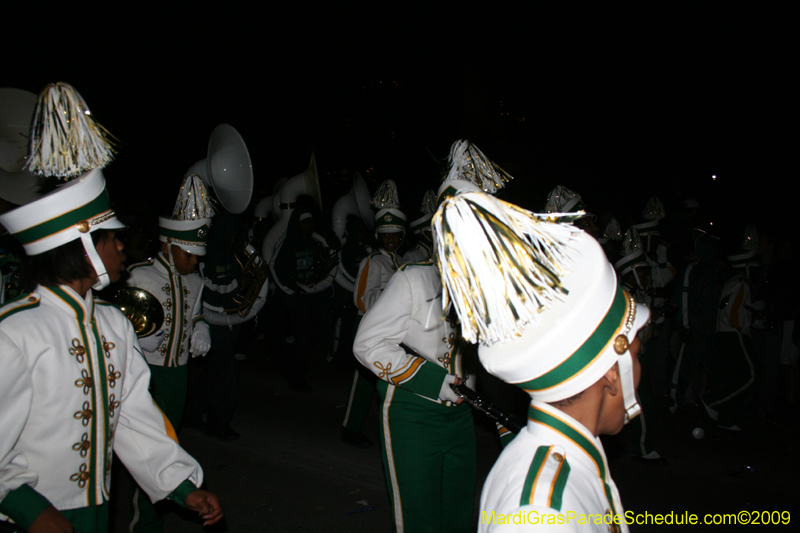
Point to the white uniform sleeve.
(145, 440)
(372, 277)
(16, 395)
(378, 339)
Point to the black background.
(613, 103)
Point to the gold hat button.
(621, 344)
(83, 226)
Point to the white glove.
(201, 340)
(446, 393)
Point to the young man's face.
(110, 251)
(185, 263)
(390, 241)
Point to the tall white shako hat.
(190, 224)
(653, 212)
(633, 255)
(563, 200)
(539, 295)
(65, 143)
(389, 218)
(470, 170)
(747, 258)
(611, 233)
(427, 209)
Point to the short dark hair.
(60, 265)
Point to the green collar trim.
(556, 424)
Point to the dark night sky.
(617, 105)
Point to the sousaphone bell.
(227, 170)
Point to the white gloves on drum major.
(201, 340)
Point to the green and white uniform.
(554, 466)
(74, 390)
(428, 441)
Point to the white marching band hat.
(66, 142)
(538, 295)
(427, 209)
(389, 218)
(73, 211)
(470, 170)
(633, 255)
(190, 224)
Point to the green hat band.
(590, 350)
(194, 236)
(100, 206)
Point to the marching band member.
(544, 303)
(427, 433)
(304, 269)
(374, 272)
(172, 278)
(74, 386)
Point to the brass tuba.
(142, 309)
(255, 272)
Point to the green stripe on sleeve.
(558, 486)
(533, 473)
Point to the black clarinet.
(489, 409)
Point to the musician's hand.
(447, 394)
(206, 504)
(458, 381)
(51, 521)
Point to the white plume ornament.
(613, 232)
(631, 243)
(386, 196)
(558, 198)
(750, 241)
(428, 202)
(193, 200)
(65, 139)
(500, 264)
(468, 163)
(654, 210)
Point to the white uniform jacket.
(74, 388)
(419, 253)
(734, 306)
(374, 273)
(553, 472)
(410, 312)
(180, 298)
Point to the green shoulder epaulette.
(546, 479)
(28, 300)
(428, 263)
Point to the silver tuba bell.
(227, 169)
